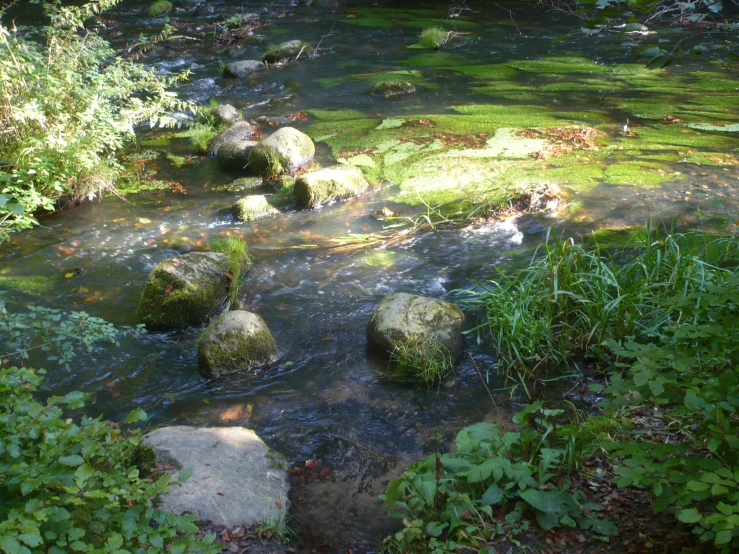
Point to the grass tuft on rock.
(237, 252)
(419, 360)
(434, 37)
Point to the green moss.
(573, 64)
(240, 352)
(139, 456)
(433, 37)
(380, 258)
(159, 7)
(486, 72)
(32, 284)
(241, 184)
(389, 89)
(436, 60)
(336, 115)
(640, 173)
(411, 76)
(394, 18)
(254, 207)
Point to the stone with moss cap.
(287, 50)
(236, 478)
(325, 185)
(284, 150)
(184, 290)
(254, 207)
(241, 130)
(402, 318)
(388, 89)
(234, 341)
(235, 155)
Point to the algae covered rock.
(241, 130)
(243, 69)
(226, 113)
(235, 155)
(287, 50)
(237, 340)
(418, 329)
(284, 150)
(254, 207)
(388, 89)
(184, 290)
(244, 183)
(332, 183)
(236, 478)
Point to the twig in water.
(510, 14)
(484, 384)
(330, 32)
(299, 53)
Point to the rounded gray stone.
(241, 130)
(286, 50)
(236, 478)
(254, 207)
(284, 150)
(226, 113)
(243, 68)
(326, 185)
(235, 155)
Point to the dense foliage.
(67, 105)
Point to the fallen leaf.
(312, 464)
(116, 394)
(279, 505)
(219, 493)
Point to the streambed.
(661, 140)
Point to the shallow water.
(325, 398)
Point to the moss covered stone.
(234, 341)
(254, 207)
(287, 50)
(184, 290)
(388, 89)
(284, 150)
(326, 185)
(235, 155)
(401, 318)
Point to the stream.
(326, 398)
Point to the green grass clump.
(201, 135)
(159, 7)
(434, 37)
(420, 360)
(237, 252)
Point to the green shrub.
(159, 7)
(450, 501)
(67, 105)
(65, 486)
(434, 37)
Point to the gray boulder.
(236, 478)
(241, 130)
(254, 207)
(235, 155)
(243, 69)
(418, 325)
(226, 113)
(287, 50)
(284, 150)
(388, 89)
(235, 341)
(184, 290)
(325, 185)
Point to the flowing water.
(325, 398)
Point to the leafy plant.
(68, 105)
(493, 485)
(65, 487)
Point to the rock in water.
(332, 183)
(235, 155)
(226, 113)
(287, 50)
(284, 150)
(254, 207)
(184, 290)
(241, 130)
(243, 69)
(236, 478)
(388, 89)
(419, 325)
(235, 341)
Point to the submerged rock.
(284, 150)
(234, 341)
(236, 478)
(243, 69)
(422, 326)
(235, 155)
(241, 130)
(389, 89)
(254, 207)
(245, 183)
(332, 183)
(184, 290)
(226, 113)
(287, 50)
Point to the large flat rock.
(236, 478)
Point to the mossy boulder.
(254, 207)
(412, 323)
(287, 50)
(184, 290)
(241, 130)
(244, 183)
(234, 341)
(243, 68)
(388, 89)
(226, 113)
(284, 150)
(235, 155)
(329, 184)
